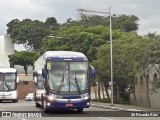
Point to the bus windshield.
(67, 76)
(7, 81)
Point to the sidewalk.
(121, 107)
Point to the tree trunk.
(106, 89)
(99, 93)
(117, 92)
(134, 94)
(102, 90)
(25, 69)
(149, 102)
(95, 91)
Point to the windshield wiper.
(1, 86)
(9, 86)
(77, 84)
(62, 81)
(5, 84)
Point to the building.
(25, 85)
(6, 48)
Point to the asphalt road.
(23, 110)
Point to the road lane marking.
(23, 119)
(104, 118)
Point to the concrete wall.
(1, 48)
(25, 85)
(141, 89)
(6, 48)
(141, 92)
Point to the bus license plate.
(69, 105)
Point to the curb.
(114, 108)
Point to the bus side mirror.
(92, 72)
(35, 79)
(17, 79)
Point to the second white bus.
(8, 84)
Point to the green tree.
(51, 23)
(125, 49)
(152, 36)
(24, 58)
(28, 32)
(149, 59)
(79, 38)
(125, 23)
(11, 25)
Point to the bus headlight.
(85, 95)
(86, 98)
(48, 104)
(14, 94)
(58, 96)
(50, 97)
(88, 103)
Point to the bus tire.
(79, 110)
(16, 100)
(42, 101)
(37, 104)
(44, 106)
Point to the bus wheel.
(37, 104)
(44, 107)
(80, 110)
(16, 100)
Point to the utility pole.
(111, 53)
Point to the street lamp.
(110, 27)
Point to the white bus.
(8, 84)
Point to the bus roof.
(5, 70)
(65, 55)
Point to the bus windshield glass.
(7, 81)
(67, 76)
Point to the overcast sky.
(148, 11)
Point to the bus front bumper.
(68, 103)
